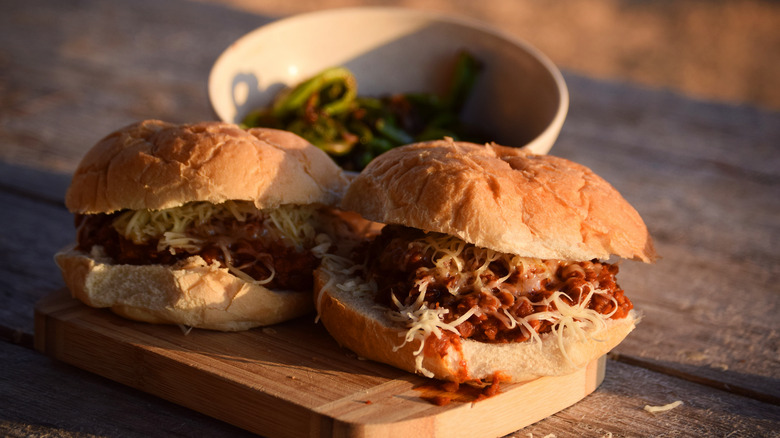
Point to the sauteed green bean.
(327, 111)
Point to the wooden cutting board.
(289, 380)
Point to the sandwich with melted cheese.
(202, 225)
(493, 264)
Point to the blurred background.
(718, 50)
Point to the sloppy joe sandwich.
(203, 225)
(494, 264)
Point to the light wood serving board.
(289, 380)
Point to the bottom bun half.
(356, 322)
(192, 294)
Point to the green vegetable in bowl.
(327, 111)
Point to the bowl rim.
(539, 144)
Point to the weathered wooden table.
(705, 177)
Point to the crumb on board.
(667, 407)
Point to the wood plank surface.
(52, 398)
(31, 231)
(42, 397)
(703, 175)
(72, 72)
(293, 376)
(706, 179)
(617, 409)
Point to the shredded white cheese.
(173, 228)
(667, 407)
(345, 268)
(294, 223)
(422, 322)
(142, 226)
(462, 264)
(576, 318)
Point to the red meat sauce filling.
(395, 264)
(251, 249)
(442, 393)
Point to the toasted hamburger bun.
(501, 198)
(494, 197)
(154, 165)
(194, 294)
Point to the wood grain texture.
(706, 179)
(46, 398)
(289, 380)
(31, 231)
(615, 409)
(72, 72)
(703, 175)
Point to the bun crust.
(156, 165)
(356, 323)
(501, 198)
(194, 294)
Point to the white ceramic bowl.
(520, 98)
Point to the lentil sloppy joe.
(493, 261)
(203, 225)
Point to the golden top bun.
(501, 198)
(156, 165)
